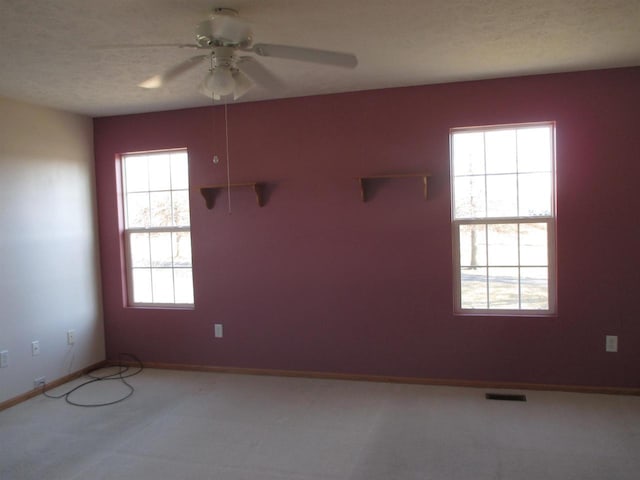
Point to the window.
(157, 228)
(503, 219)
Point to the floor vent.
(506, 396)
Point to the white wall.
(49, 270)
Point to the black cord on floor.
(121, 374)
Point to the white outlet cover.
(611, 343)
(35, 348)
(71, 337)
(217, 330)
(4, 358)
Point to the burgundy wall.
(318, 280)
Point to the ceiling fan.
(227, 38)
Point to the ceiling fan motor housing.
(204, 37)
(223, 29)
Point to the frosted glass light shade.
(221, 81)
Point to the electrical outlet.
(35, 348)
(217, 330)
(611, 343)
(39, 382)
(4, 358)
(71, 337)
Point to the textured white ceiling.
(48, 51)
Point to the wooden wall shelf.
(364, 180)
(209, 192)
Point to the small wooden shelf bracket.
(209, 192)
(363, 181)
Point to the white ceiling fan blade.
(256, 72)
(338, 59)
(242, 84)
(230, 29)
(145, 45)
(158, 81)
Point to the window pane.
(183, 285)
(502, 196)
(179, 171)
(181, 208)
(136, 174)
(534, 288)
(501, 151)
(139, 250)
(138, 210)
(162, 280)
(473, 245)
(534, 149)
(535, 194)
(473, 287)
(181, 249)
(533, 244)
(469, 197)
(161, 250)
(468, 153)
(503, 288)
(503, 244)
(161, 215)
(141, 278)
(159, 172)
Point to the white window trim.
(550, 220)
(128, 231)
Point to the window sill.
(511, 314)
(160, 307)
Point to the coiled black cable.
(122, 374)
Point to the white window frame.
(549, 220)
(129, 231)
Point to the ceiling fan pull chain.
(226, 135)
(215, 159)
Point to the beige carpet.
(187, 425)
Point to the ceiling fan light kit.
(225, 34)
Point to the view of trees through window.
(158, 236)
(502, 181)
